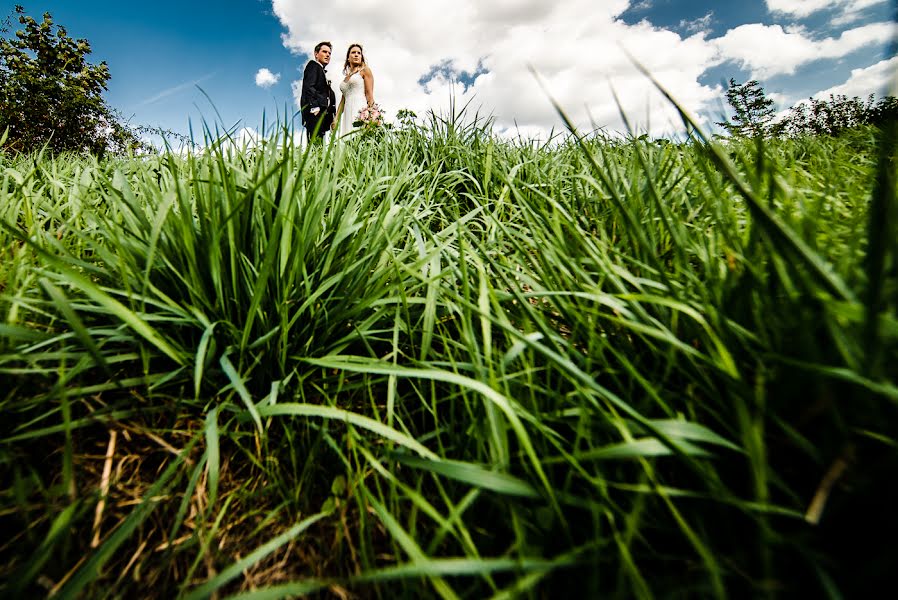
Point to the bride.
(357, 88)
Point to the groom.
(317, 100)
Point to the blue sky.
(724, 16)
(161, 52)
(422, 53)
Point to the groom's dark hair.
(320, 44)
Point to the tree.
(884, 111)
(754, 111)
(838, 114)
(51, 96)
(822, 117)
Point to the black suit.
(317, 92)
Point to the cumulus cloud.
(423, 52)
(876, 79)
(768, 50)
(266, 79)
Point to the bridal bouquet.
(369, 117)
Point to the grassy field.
(439, 363)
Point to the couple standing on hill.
(320, 112)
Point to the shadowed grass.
(437, 362)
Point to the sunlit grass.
(437, 362)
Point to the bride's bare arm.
(368, 76)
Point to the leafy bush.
(51, 96)
(754, 113)
(839, 114)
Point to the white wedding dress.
(353, 91)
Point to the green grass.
(441, 363)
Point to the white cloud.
(846, 11)
(422, 53)
(779, 99)
(803, 8)
(697, 25)
(768, 50)
(266, 79)
(876, 79)
(577, 46)
(853, 11)
(799, 8)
